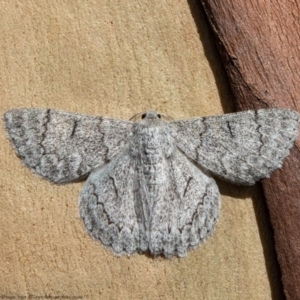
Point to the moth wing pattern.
(187, 211)
(149, 187)
(64, 147)
(107, 205)
(115, 207)
(240, 147)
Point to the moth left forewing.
(240, 147)
(61, 146)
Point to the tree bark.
(259, 45)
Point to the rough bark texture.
(259, 44)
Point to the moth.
(149, 181)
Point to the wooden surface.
(117, 59)
(259, 43)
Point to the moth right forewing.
(241, 147)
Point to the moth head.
(150, 115)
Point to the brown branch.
(259, 44)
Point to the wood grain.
(259, 44)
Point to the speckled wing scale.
(240, 147)
(149, 187)
(63, 147)
(150, 198)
